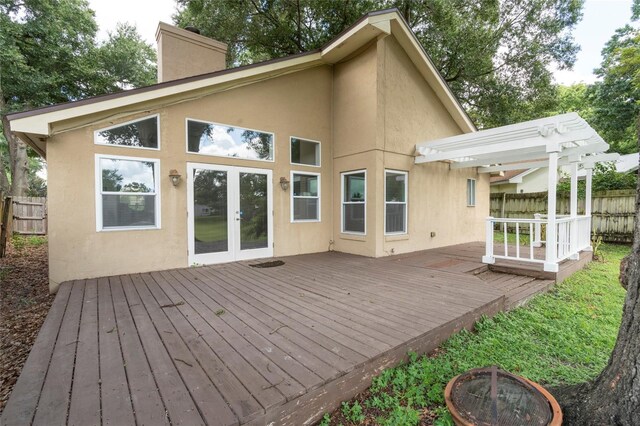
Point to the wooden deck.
(233, 344)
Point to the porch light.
(174, 176)
(284, 183)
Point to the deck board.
(233, 344)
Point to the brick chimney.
(185, 53)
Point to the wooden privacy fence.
(612, 212)
(30, 215)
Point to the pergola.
(561, 140)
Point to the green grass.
(498, 237)
(211, 228)
(561, 337)
(20, 242)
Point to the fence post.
(488, 257)
(5, 225)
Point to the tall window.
(143, 133)
(305, 152)
(354, 197)
(305, 203)
(395, 202)
(471, 192)
(226, 141)
(127, 193)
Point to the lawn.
(210, 228)
(561, 337)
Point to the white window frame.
(186, 140)
(95, 133)
(406, 201)
(471, 192)
(292, 197)
(99, 193)
(342, 202)
(291, 138)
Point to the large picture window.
(226, 141)
(142, 133)
(305, 152)
(127, 193)
(354, 206)
(305, 197)
(471, 192)
(395, 202)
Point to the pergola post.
(551, 247)
(573, 211)
(587, 199)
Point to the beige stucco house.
(302, 154)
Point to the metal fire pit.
(492, 397)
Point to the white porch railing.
(520, 238)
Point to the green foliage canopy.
(49, 54)
(495, 54)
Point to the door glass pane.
(253, 212)
(210, 211)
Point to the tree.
(605, 178)
(615, 98)
(49, 54)
(495, 54)
(613, 398)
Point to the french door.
(230, 213)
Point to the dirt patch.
(24, 303)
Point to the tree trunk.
(613, 398)
(19, 166)
(5, 186)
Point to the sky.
(600, 20)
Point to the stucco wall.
(355, 129)
(368, 112)
(298, 104)
(437, 199)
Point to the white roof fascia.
(518, 178)
(358, 36)
(392, 23)
(39, 124)
(407, 39)
(365, 31)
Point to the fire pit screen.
(492, 397)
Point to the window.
(395, 202)
(305, 152)
(305, 203)
(354, 195)
(225, 141)
(143, 133)
(127, 193)
(471, 192)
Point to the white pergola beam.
(565, 134)
(591, 159)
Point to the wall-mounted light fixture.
(174, 176)
(284, 183)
